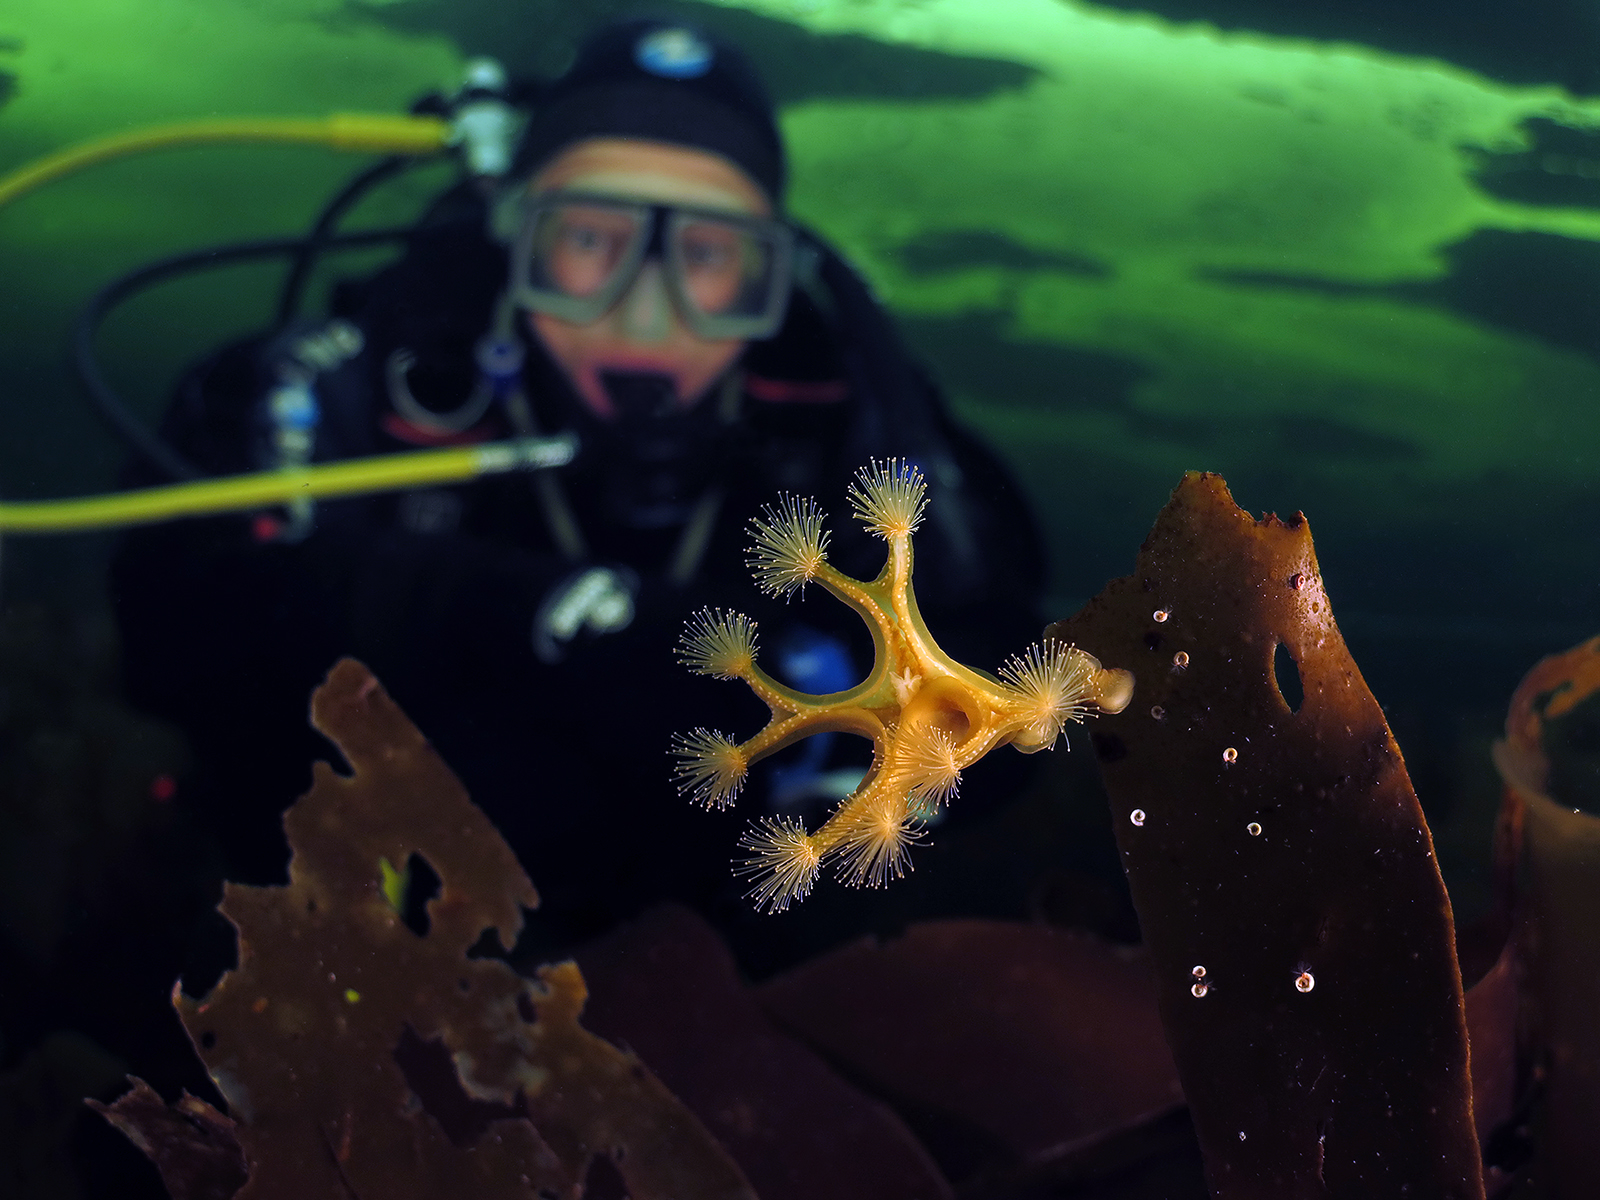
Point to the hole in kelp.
(1286, 673)
(422, 884)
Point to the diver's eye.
(593, 240)
(700, 255)
(580, 248)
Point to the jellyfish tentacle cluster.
(928, 716)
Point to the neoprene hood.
(663, 81)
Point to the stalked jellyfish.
(928, 716)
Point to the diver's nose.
(646, 310)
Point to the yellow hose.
(381, 133)
(364, 133)
(233, 493)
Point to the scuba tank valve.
(484, 124)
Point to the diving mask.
(576, 254)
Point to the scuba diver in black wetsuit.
(632, 279)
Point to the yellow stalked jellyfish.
(928, 716)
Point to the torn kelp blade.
(194, 1147)
(361, 1056)
(1282, 871)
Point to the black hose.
(106, 400)
(305, 260)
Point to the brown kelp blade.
(1044, 1036)
(363, 1057)
(1282, 871)
(1558, 935)
(666, 986)
(194, 1147)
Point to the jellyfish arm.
(928, 716)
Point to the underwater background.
(1344, 252)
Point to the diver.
(631, 277)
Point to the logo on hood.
(673, 53)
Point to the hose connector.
(499, 361)
(484, 124)
(294, 413)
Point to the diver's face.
(643, 331)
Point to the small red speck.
(265, 527)
(163, 788)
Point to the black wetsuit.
(226, 630)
